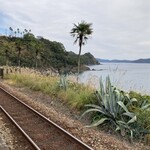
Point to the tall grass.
(76, 95)
(35, 82)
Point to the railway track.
(42, 133)
(14, 139)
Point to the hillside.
(124, 61)
(142, 60)
(30, 51)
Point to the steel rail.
(22, 131)
(51, 122)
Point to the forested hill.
(30, 51)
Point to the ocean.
(125, 76)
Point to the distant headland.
(147, 60)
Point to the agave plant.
(63, 82)
(113, 107)
(145, 105)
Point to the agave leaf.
(92, 110)
(99, 97)
(129, 114)
(101, 87)
(116, 98)
(108, 79)
(143, 103)
(122, 122)
(123, 106)
(93, 106)
(63, 82)
(131, 135)
(106, 85)
(110, 100)
(132, 120)
(145, 106)
(114, 105)
(121, 98)
(102, 120)
(117, 95)
(106, 102)
(118, 128)
(122, 126)
(101, 109)
(127, 96)
(133, 100)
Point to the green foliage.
(113, 108)
(143, 101)
(77, 95)
(88, 59)
(24, 49)
(142, 110)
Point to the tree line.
(24, 49)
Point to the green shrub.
(140, 98)
(142, 109)
(113, 108)
(77, 96)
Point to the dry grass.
(75, 94)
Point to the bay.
(125, 76)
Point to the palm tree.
(19, 54)
(15, 33)
(19, 49)
(81, 31)
(26, 31)
(18, 31)
(38, 50)
(7, 56)
(11, 31)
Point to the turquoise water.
(126, 76)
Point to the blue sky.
(121, 27)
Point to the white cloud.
(121, 27)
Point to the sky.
(121, 28)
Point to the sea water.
(125, 76)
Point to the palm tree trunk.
(79, 60)
(80, 46)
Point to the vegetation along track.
(42, 133)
